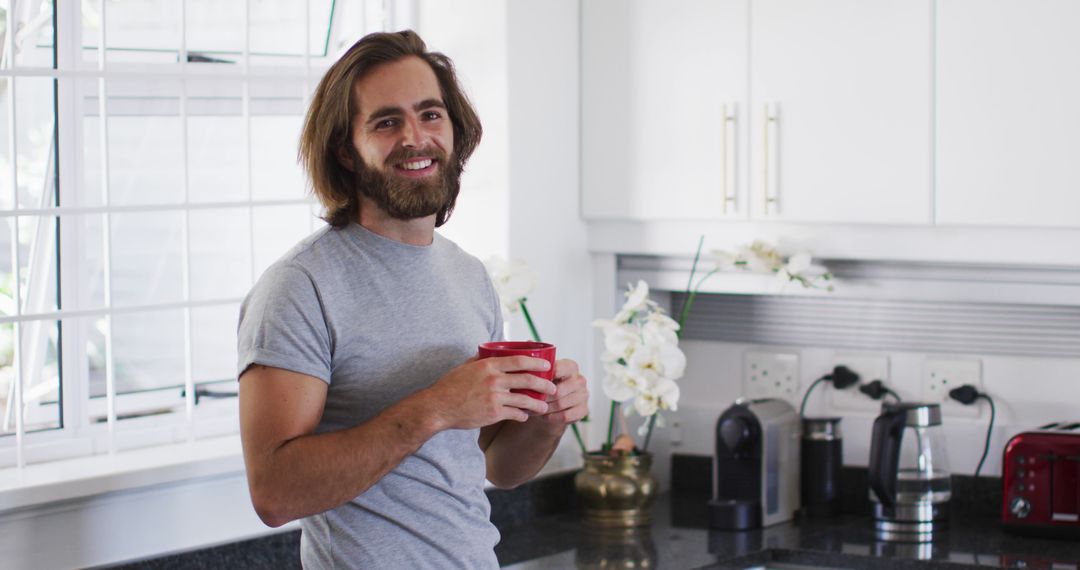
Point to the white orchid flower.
(637, 301)
(798, 263)
(646, 405)
(617, 386)
(659, 327)
(724, 260)
(655, 360)
(668, 393)
(513, 281)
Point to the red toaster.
(1040, 478)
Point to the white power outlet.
(771, 375)
(869, 367)
(939, 375)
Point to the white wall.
(473, 34)
(545, 227)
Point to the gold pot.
(617, 491)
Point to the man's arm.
(516, 451)
(293, 472)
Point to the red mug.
(524, 348)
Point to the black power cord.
(967, 395)
(841, 377)
(877, 390)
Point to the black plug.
(842, 377)
(966, 394)
(876, 389)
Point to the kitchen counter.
(680, 539)
(542, 528)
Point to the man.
(363, 409)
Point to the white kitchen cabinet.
(663, 109)
(671, 129)
(1008, 112)
(840, 110)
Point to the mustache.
(401, 155)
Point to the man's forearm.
(520, 450)
(316, 472)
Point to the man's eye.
(432, 115)
(385, 124)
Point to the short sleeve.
(282, 324)
(498, 329)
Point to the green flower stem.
(611, 424)
(691, 294)
(528, 319)
(536, 337)
(648, 434)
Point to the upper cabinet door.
(1008, 112)
(840, 110)
(663, 109)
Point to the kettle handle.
(885, 455)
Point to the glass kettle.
(910, 483)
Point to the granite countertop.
(680, 539)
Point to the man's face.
(404, 139)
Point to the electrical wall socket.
(771, 375)
(869, 367)
(939, 375)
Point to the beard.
(406, 198)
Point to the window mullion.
(189, 385)
(246, 109)
(103, 116)
(17, 393)
(74, 375)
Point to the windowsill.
(89, 476)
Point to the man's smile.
(416, 167)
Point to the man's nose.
(412, 135)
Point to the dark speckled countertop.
(542, 528)
(679, 539)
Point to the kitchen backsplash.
(1028, 392)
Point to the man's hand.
(478, 393)
(570, 402)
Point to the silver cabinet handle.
(727, 134)
(769, 171)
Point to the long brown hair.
(327, 126)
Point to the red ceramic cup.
(518, 348)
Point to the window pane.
(87, 233)
(88, 135)
(145, 143)
(147, 30)
(216, 146)
(35, 141)
(215, 29)
(213, 337)
(6, 195)
(147, 250)
(277, 114)
(41, 376)
(34, 40)
(148, 351)
(278, 228)
(38, 263)
(220, 253)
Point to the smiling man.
(364, 412)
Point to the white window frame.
(80, 435)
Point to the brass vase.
(617, 491)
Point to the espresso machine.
(756, 465)
(910, 483)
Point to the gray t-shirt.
(378, 320)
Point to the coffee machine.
(756, 465)
(910, 484)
